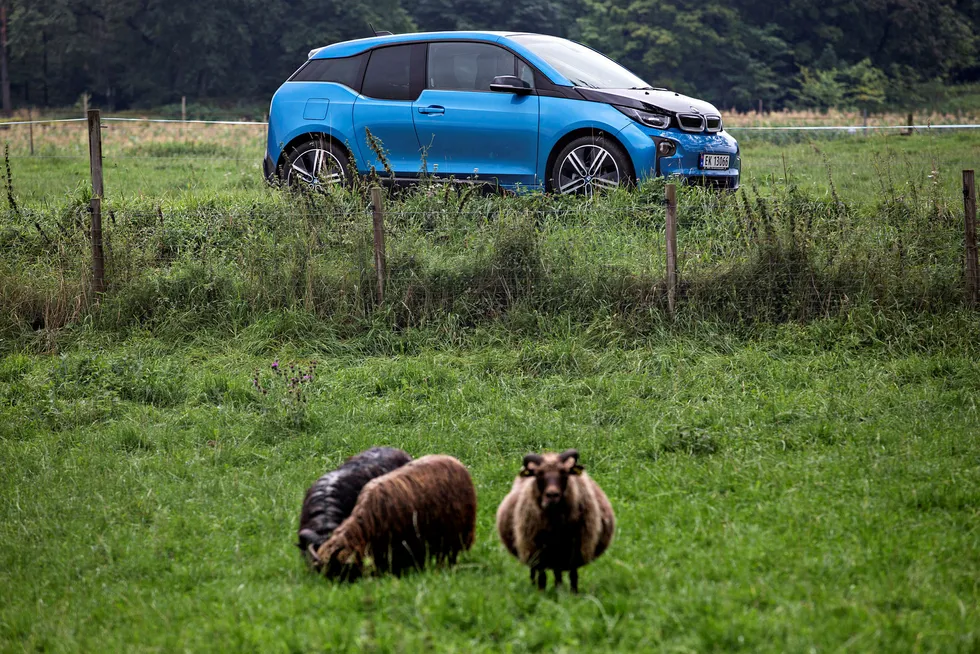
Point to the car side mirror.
(509, 84)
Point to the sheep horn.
(536, 459)
(568, 454)
(313, 555)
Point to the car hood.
(650, 100)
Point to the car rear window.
(346, 71)
(388, 75)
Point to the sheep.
(424, 509)
(555, 517)
(333, 496)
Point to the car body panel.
(287, 121)
(483, 134)
(391, 123)
(562, 116)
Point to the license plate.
(714, 161)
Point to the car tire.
(590, 164)
(314, 164)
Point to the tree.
(732, 52)
(866, 86)
(706, 50)
(819, 89)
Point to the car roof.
(357, 46)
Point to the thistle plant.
(283, 391)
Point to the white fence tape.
(43, 122)
(799, 128)
(849, 128)
(177, 120)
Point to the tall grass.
(767, 255)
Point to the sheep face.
(341, 563)
(551, 472)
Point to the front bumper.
(641, 142)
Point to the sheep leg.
(557, 578)
(542, 579)
(534, 574)
(573, 579)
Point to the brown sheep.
(555, 517)
(424, 509)
(332, 497)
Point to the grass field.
(166, 162)
(814, 489)
(794, 459)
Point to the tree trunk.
(4, 77)
(44, 66)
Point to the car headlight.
(659, 121)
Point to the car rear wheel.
(590, 164)
(314, 165)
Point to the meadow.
(793, 457)
(165, 161)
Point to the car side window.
(462, 66)
(346, 71)
(388, 75)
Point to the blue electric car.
(509, 109)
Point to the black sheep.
(332, 498)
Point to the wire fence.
(772, 258)
(764, 254)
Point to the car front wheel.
(590, 164)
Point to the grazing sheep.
(555, 517)
(332, 497)
(424, 509)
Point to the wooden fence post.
(379, 241)
(95, 151)
(972, 268)
(95, 164)
(30, 128)
(671, 247)
(183, 108)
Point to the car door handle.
(432, 109)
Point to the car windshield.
(581, 65)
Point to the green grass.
(186, 164)
(794, 458)
(860, 166)
(813, 487)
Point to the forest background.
(869, 55)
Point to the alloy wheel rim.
(316, 168)
(588, 169)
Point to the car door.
(392, 80)
(466, 129)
